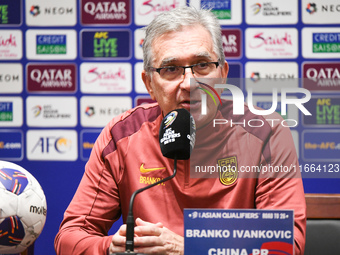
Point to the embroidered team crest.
(228, 170)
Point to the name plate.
(238, 232)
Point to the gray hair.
(174, 20)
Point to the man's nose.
(188, 79)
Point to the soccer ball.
(22, 208)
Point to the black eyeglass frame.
(158, 70)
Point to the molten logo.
(38, 210)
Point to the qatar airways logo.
(106, 12)
(51, 77)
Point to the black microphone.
(177, 139)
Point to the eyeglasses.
(172, 73)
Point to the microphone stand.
(130, 221)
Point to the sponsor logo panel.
(321, 145)
(10, 12)
(11, 145)
(231, 39)
(139, 39)
(98, 111)
(272, 12)
(87, 140)
(234, 74)
(110, 12)
(52, 145)
(11, 112)
(321, 42)
(51, 78)
(271, 43)
(51, 13)
(139, 84)
(321, 77)
(51, 44)
(325, 112)
(106, 44)
(51, 111)
(11, 78)
(146, 11)
(320, 11)
(106, 78)
(229, 12)
(10, 44)
(262, 77)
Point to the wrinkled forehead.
(188, 43)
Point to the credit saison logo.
(326, 42)
(38, 210)
(51, 44)
(6, 111)
(238, 104)
(221, 9)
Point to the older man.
(181, 44)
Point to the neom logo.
(38, 210)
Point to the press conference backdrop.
(67, 67)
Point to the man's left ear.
(225, 69)
(147, 82)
